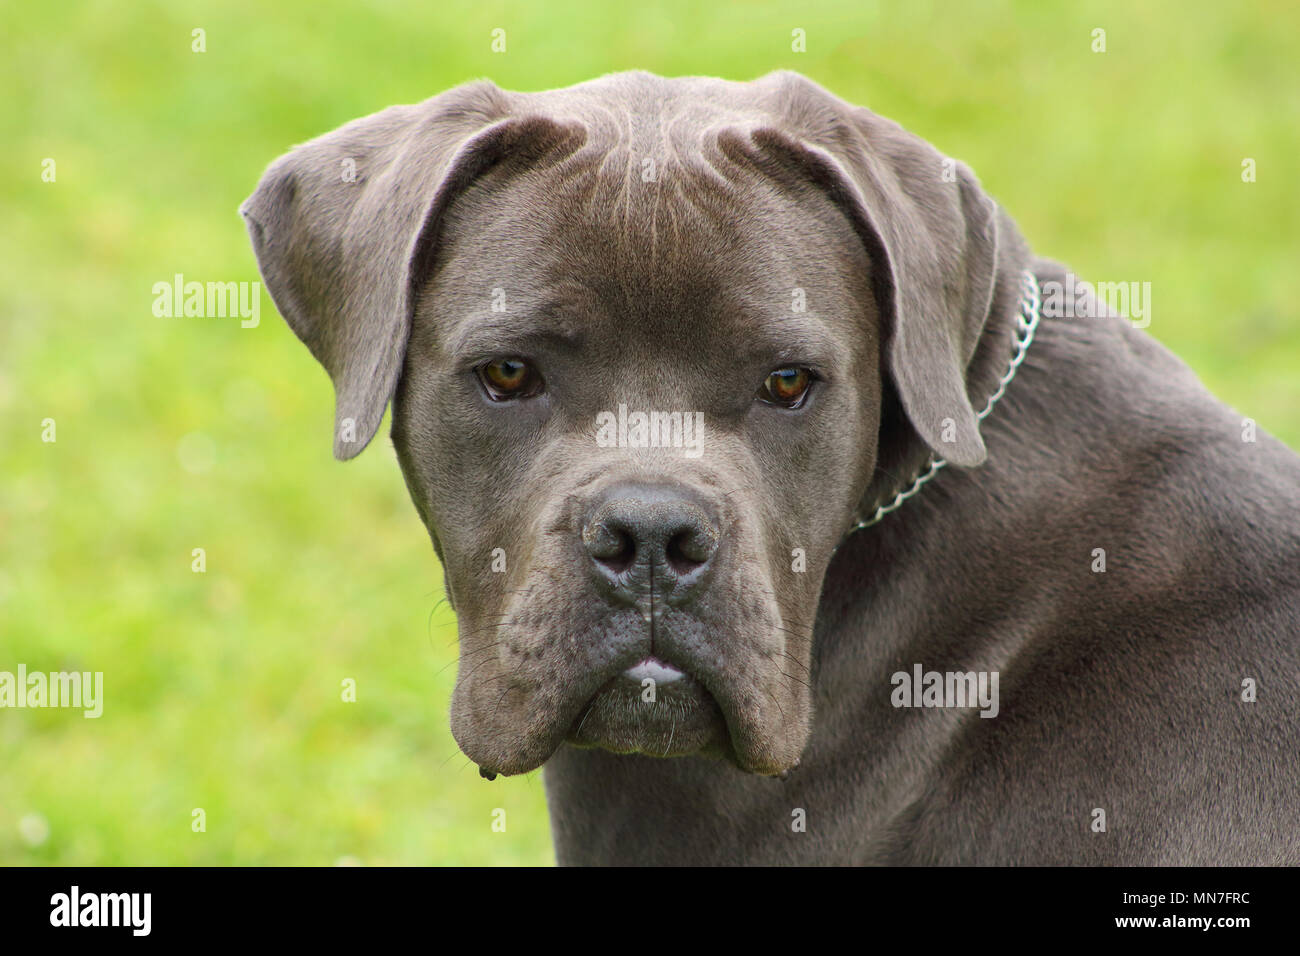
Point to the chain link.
(1026, 324)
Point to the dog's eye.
(509, 378)
(787, 387)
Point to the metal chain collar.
(1026, 323)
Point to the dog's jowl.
(727, 403)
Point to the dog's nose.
(645, 539)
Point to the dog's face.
(638, 336)
(583, 566)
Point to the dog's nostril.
(689, 549)
(620, 558)
(612, 547)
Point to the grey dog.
(747, 434)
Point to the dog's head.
(647, 341)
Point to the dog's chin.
(654, 710)
(631, 705)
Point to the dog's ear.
(933, 237)
(344, 228)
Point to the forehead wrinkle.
(753, 324)
(626, 192)
(627, 137)
(807, 344)
(482, 331)
(654, 210)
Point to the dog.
(747, 434)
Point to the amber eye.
(509, 378)
(787, 387)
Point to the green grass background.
(223, 689)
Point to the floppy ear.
(933, 236)
(344, 227)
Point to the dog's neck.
(901, 455)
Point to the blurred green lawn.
(223, 688)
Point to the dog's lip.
(652, 668)
(681, 718)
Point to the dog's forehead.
(648, 222)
